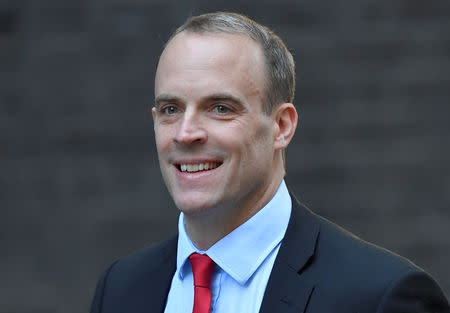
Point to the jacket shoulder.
(149, 257)
(344, 248)
(126, 284)
(358, 275)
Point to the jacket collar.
(160, 275)
(287, 291)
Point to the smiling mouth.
(197, 167)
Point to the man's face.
(215, 145)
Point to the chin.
(193, 206)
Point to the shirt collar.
(257, 237)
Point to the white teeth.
(198, 167)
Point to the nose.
(190, 130)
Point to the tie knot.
(202, 269)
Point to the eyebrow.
(164, 98)
(224, 97)
(221, 96)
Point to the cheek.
(262, 145)
(162, 138)
(254, 148)
(252, 139)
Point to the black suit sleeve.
(415, 292)
(97, 302)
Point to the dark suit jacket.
(320, 268)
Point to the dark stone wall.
(79, 177)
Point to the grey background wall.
(79, 179)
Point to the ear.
(286, 118)
(153, 113)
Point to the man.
(223, 116)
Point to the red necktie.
(202, 269)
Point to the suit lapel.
(160, 278)
(287, 291)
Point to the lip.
(196, 161)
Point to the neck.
(207, 228)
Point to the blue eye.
(221, 109)
(170, 109)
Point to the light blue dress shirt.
(244, 261)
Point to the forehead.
(231, 55)
(202, 44)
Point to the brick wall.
(80, 183)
